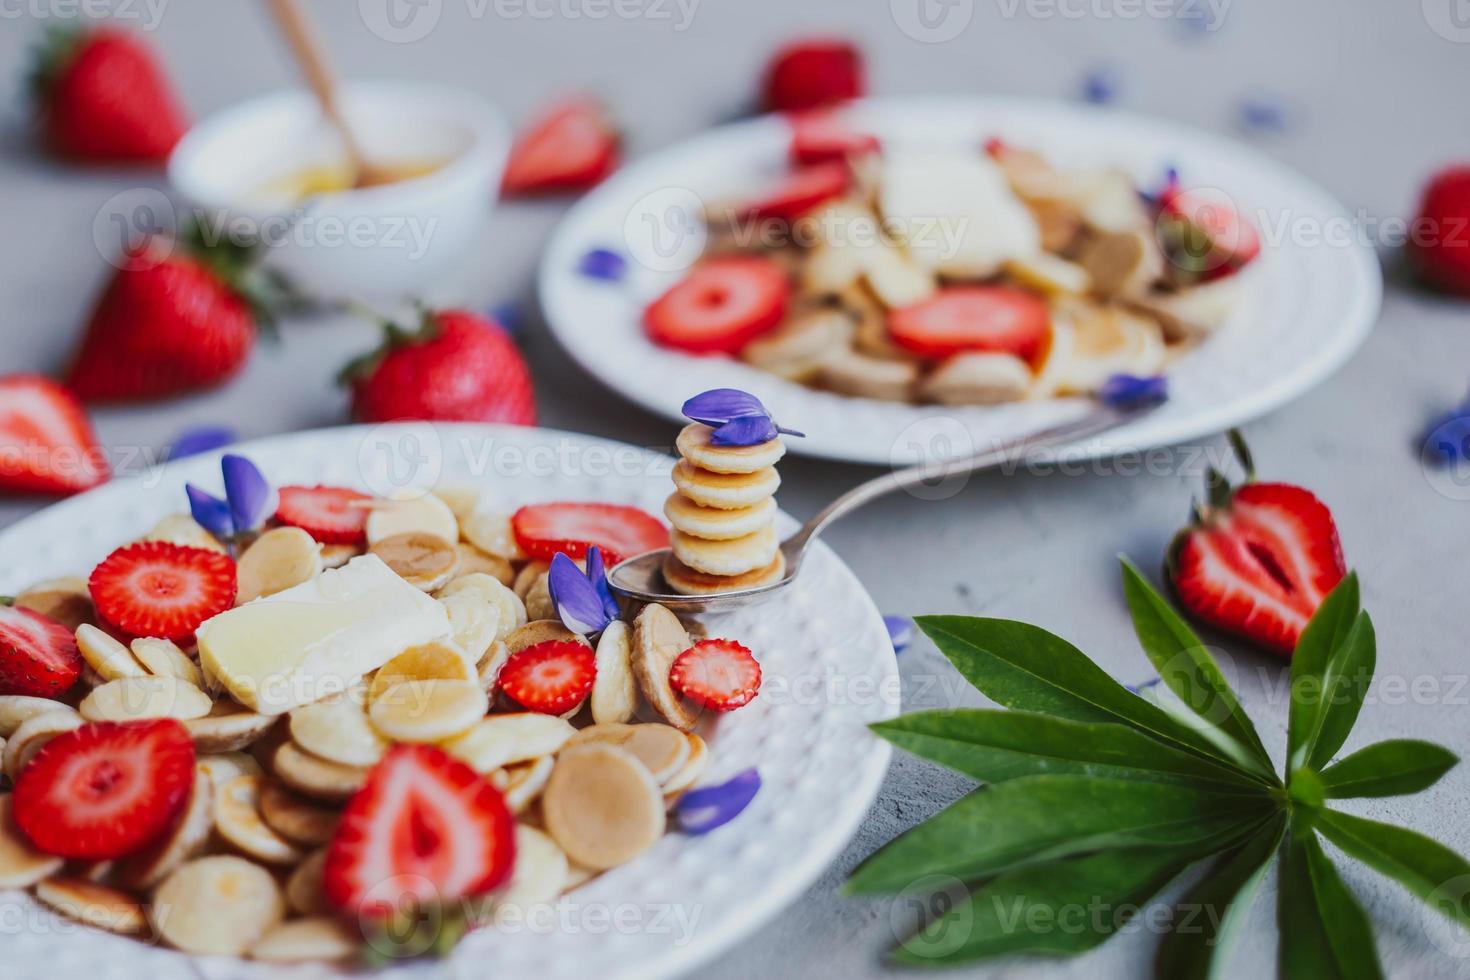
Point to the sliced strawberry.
(722, 305)
(973, 318)
(46, 442)
(718, 674)
(822, 137)
(801, 191)
(551, 677)
(543, 530)
(38, 656)
(813, 71)
(105, 790)
(331, 515)
(1233, 240)
(1258, 562)
(155, 588)
(571, 147)
(424, 828)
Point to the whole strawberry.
(457, 367)
(1440, 250)
(1258, 559)
(170, 321)
(813, 72)
(101, 96)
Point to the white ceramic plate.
(828, 665)
(1314, 295)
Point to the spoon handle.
(1090, 424)
(312, 59)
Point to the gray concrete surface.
(1374, 99)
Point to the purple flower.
(510, 316)
(210, 512)
(1140, 688)
(192, 442)
(584, 603)
(603, 264)
(900, 631)
(248, 500)
(250, 496)
(1127, 391)
(701, 810)
(1100, 87)
(1262, 115)
(1448, 441)
(738, 417)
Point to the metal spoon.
(641, 578)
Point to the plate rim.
(808, 864)
(1361, 316)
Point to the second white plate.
(1314, 296)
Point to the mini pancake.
(688, 581)
(717, 524)
(694, 445)
(725, 490)
(734, 557)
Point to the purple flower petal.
(510, 317)
(748, 430)
(192, 442)
(900, 631)
(576, 600)
(597, 575)
(1127, 391)
(603, 264)
(1100, 87)
(211, 513)
(1447, 443)
(250, 496)
(1140, 688)
(701, 810)
(1262, 115)
(719, 405)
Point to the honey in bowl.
(332, 178)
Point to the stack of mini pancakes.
(723, 515)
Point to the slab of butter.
(314, 639)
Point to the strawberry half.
(569, 148)
(105, 790)
(424, 828)
(973, 318)
(46, 442)
(155, 588)
(822, 137)
(331, 515)
(38, 656)
(721, 675)
(1231, 240)
(551, 677)
(543, 530)
(1258, 560)
(812, 72)
(801, 191)
(722, 305)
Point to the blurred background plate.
(828, 672)
(1313, 294)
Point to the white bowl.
(379, 241)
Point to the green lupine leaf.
(1394, 768)
(1211, 916)
(1324, 635)
(1425, 867)
(1344, 685)
(1029, 669)
(994, 746)
(1041, 818)
(1324, 931)
(1046, 908)
(1185, 664)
